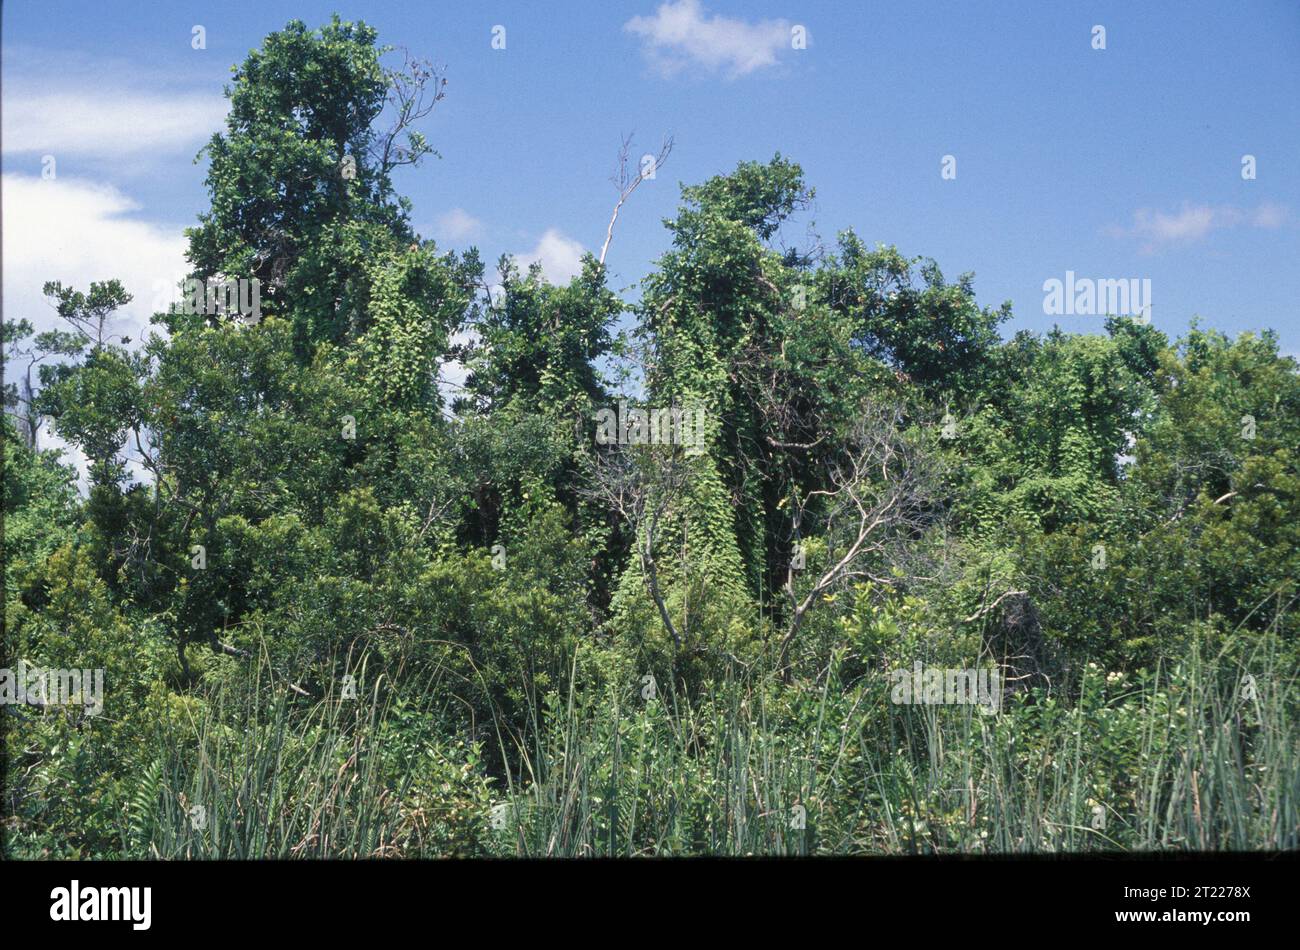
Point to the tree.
(881, 497)
(904, 313)
(301, 187)
(643, 486)
(95, 403)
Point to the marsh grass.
(272, 776)
(1175, 758)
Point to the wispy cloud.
(1194, 222)
(457, 226)
(68, 103)
(109, 123)
(680, 34)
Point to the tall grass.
(263, 774)
(1181, 757)
(1175, 759)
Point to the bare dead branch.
(879, 494)
(414, 88)
(626, 183)
(642, 486)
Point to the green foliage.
(904, 313)
(344, 615)
(39, 503)
(1171, 759)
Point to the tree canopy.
(297, 512)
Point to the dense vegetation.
(342, 614)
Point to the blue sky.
(1115, 163)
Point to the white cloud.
(1269, 216)
(76, 231)
(106, 121)
(458, 226)
(1190, 224)
(560, 257)
(680, 34)
(1194, 222)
